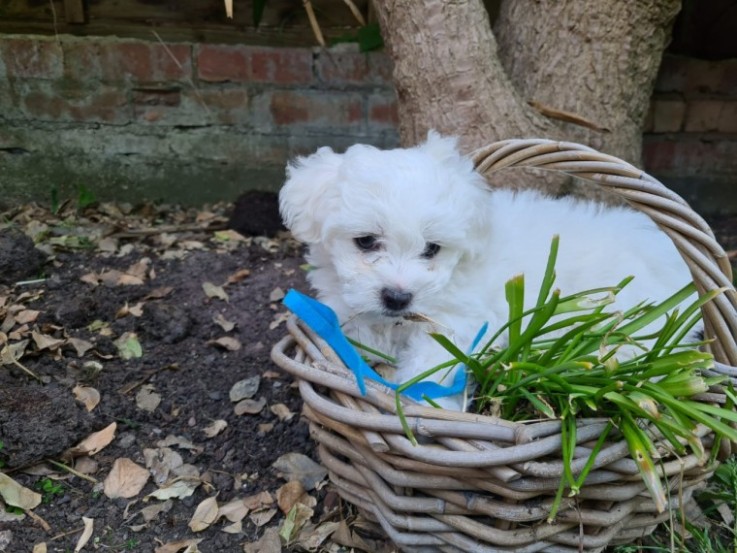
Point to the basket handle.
(706, 259)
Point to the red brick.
(672, 74)
(217, 63)
(703, 77)
(127, 60)
(684, 157)
(145, 61)
(382, 111)
(338, 67)
(103, 104)
(281, 66)
(224, 106)
(728, 85)
(25, 58)
(668, 115)
(703, 115)
(338, 110)
(381, 67)
(156, 97)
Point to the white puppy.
(418, 231)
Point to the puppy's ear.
(304, 199)
(442, 148)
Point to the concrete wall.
(193, 122)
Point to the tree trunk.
(593, 62)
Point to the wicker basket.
(484, 484)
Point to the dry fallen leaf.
(235, 510)
(249, 406)
(296, 466)
(213, 291)
(244, 389)
(179, 441)
(238, 276)
(26, 316)
(226, 342)
(296, 518)
(89, 526)
(277, 294)
(87, 396)
(152, 511)
(234, 528)
(311, 538)
(178, 489)
(44, 341)
(176, 546)
(139, 269)
(161, 462)
(135, 311)
(159, 293)
(290, 494)
(16, 495)
(258, 501)
(94, 442)
(223, 323)
(281, 411)
(40, 548)
(80, 346)
(269, 543)
(259, 518)
(86, 465)
(126, 479)
(147, 399)
(204, 515)
(215, 428)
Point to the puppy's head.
(387, 229)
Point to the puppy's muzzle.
(395, 300)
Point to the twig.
(566, 116)
(41, 522)
(65, 534)
(29, 282)
(355, 11)
(313, 22)
(128, 388)
(28, 371)
(188, 78)
(71, 470)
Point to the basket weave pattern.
(484, 484)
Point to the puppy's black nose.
(395, 300)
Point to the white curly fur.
(408, 198)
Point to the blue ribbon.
(323, 321)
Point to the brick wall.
(190, 122)
(690, 138)
(196, 122)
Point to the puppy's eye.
(366, 243)
(431, 250)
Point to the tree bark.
(594, 60)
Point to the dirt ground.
(136, 389)
(160, 312)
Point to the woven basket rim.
(465, 460)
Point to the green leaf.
(640, 446)
(549, 276)
(369, 37)
(514, 291)
(85, 197)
